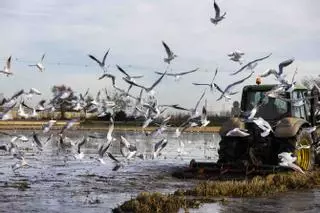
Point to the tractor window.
(298, 109)
(271, 109)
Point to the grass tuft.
(209, 191)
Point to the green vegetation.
(210, 191)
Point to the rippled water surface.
(60, 183)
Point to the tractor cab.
(291, 104)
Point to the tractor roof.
(266, 87)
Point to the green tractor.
(291, 118)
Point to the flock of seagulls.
(145, 106)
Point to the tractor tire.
(302, 147)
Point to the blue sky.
(69, 30)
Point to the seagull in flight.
(7, 68)
(178, 75)
(170, 54)
(127, 150)
(208, 84)
(129, 77)
(227, 91)
(236, 56)
(80, 154)
(251, 64)
(101, 63)
(218, 17)
(278, 74)
(147, 89)
(39, 65)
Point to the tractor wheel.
(304, 150)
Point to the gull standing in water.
(209, 84)
(218, 17)
(227, 92)
(177, 76)
(170, 54)
(7, 68)
(39, 65)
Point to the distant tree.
(310, 81)
(61, 102)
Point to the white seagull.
(177, 76)
(208, 84)
(39, 65)
(218, 17)
(251, 65)
(7, 68)
(170, 54)
(227, 91)
(287, 160)
(236, 56)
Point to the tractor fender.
(289, 127)
(231, 124)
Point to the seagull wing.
(198, 84)
(125, 142)
(284, 64)
(251, 62)
(112, 157)
(218, 88)
(81, 144)
(96, 60)
(9, 63)
(111, 128)
(187, 72)
(204, 92)
(204, 111)
(159, 73)
(169, 53)
(104, 57)
(17, 94)
(36, 140)
(217, 9)
(43, 57)
(25, 105)
(214, 77)
(156, 82)
(122, 70)
(238, 82)
(137, 76)
(268, 72)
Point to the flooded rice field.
(57, 182)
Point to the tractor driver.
(269, 110)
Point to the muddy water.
(57, 182)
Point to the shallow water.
(60, 183)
